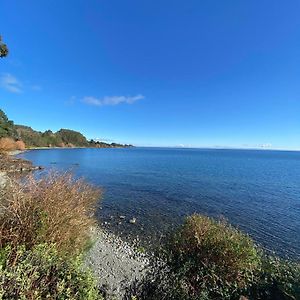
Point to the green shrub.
(40, 273)
(277, 279)
(212, 259)
(207, 259)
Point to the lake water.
(258, 191)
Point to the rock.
(132, 221)
(122, 217)
(3, 179)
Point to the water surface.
(258, 191)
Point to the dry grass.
(54, 209)
(20, 145)
(9, 144)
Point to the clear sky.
(156, 73)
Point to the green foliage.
(98, 144)
(3, 48)
(51, 139)
(33, 138)
(30, 137)
(212, 259)
(207, 259)
(62, 138)
(40, 273)
(71, 137)
(7, 128)
(277, 279)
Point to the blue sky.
(156, 73)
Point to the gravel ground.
(115, 263)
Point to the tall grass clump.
(55, 209)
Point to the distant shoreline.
(16, 152)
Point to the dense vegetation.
(3, 48)
(45, 229)
(208, 259)
(7, 127)
(40, 273)
(61, 138)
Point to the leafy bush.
(277, 279)
(212, 258)
(207, 259)
(40, 273)
(204, 259)
(54, 209)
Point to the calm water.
(259, 191)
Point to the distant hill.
(61, 138)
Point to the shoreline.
(16, 152)
(115, 263)
(10, 164)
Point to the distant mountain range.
(62, 138)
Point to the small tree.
(3, 48)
